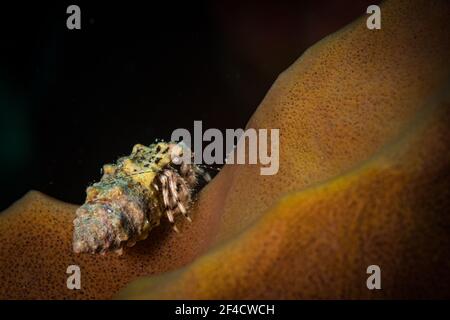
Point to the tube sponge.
(363, 179)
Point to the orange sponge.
(363, 179)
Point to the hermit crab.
(134, 194)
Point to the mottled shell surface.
(132, 196)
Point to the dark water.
(71, 100)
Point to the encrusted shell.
(132, 196)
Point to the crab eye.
(176, 160)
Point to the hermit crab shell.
(132, 196)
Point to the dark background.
(72, 100)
